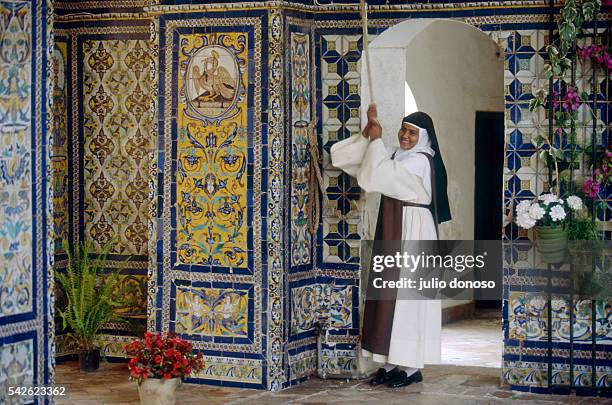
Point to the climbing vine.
(565, 99)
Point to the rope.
(366, 59)
(365, 41)
(316, 181)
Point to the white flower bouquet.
(546, 210)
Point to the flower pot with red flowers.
(159, 362)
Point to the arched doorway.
(455, 73)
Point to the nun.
(404, 335)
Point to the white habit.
(415, 337)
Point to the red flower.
(162, 356)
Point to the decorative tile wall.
(338, 54)
(213, 170)
(114, 87)
(17, 222)
(301, 205)
(302, 292)
(212, 144)
(115, 135)
(17, 360)
(214, 312)
(26, 197)
(108, 128)
(526, 313)
(340, 75)
(59, 148)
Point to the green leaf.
(547, 68)
(567, 30)
(569, 13)
(590, 8)
(584, 96)
(566, 63)
(90, 293)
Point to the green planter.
(551, 243)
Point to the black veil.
(423, 120)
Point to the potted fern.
(90, 294)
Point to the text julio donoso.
(411, 263)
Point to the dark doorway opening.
(489, 167)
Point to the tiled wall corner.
(26, 197)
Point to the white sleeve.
(378, 173)
(347, 154)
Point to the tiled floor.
(473, 342)
(452, 385)
(466, 345)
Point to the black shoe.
(403, 380)
(416, 377)
(382, 376)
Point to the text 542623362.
(37, 391)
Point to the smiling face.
(408, 136)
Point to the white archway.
(450, 70)
(453, 70)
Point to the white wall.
(453, 70)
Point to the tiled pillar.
(217, 276)
(235, 265)
(26, 199)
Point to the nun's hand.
(375, 130)
(366, 130)
(372, 112)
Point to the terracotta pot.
(89, 360)
(157, 391)
(551, 243)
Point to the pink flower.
(591, 187)
(596, 52)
